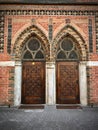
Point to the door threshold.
(68, 106)
(31, 106)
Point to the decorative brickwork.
(9, 36)
(69, 31)
(39, 12)
(48, 12)
(96, 22)
(49, 24)
(90, 36)
(50, 31)
(1, 31)
(23, 38)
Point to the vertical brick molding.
(9, 37)
(90, 36)
(50, 34)
(1, 32)
(50, 28)
(96, 23)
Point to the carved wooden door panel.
(33, 84)
(67, 83)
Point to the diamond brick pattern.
(1, 32)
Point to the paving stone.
(49, 118)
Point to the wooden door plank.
(67, 83)
(33, 84)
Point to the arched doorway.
(33, 72)
(67, 72)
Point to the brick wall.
(92, 76)
(20, 22)
(6, 85)
(80, 23)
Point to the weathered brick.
(23, 20)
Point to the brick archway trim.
(25, 35)
(69, 30)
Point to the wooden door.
(33, 84)
(67, 83)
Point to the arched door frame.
(17, 51)
(74, 34)
(33, 72)
(67, 69)
(50, 65)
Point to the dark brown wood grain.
(67, 83)
(33, 83)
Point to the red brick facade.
(76, 21)
(6, 85)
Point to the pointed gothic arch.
(33, 49)
(71, 32)
(25, 36)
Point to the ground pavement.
(49, 118)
